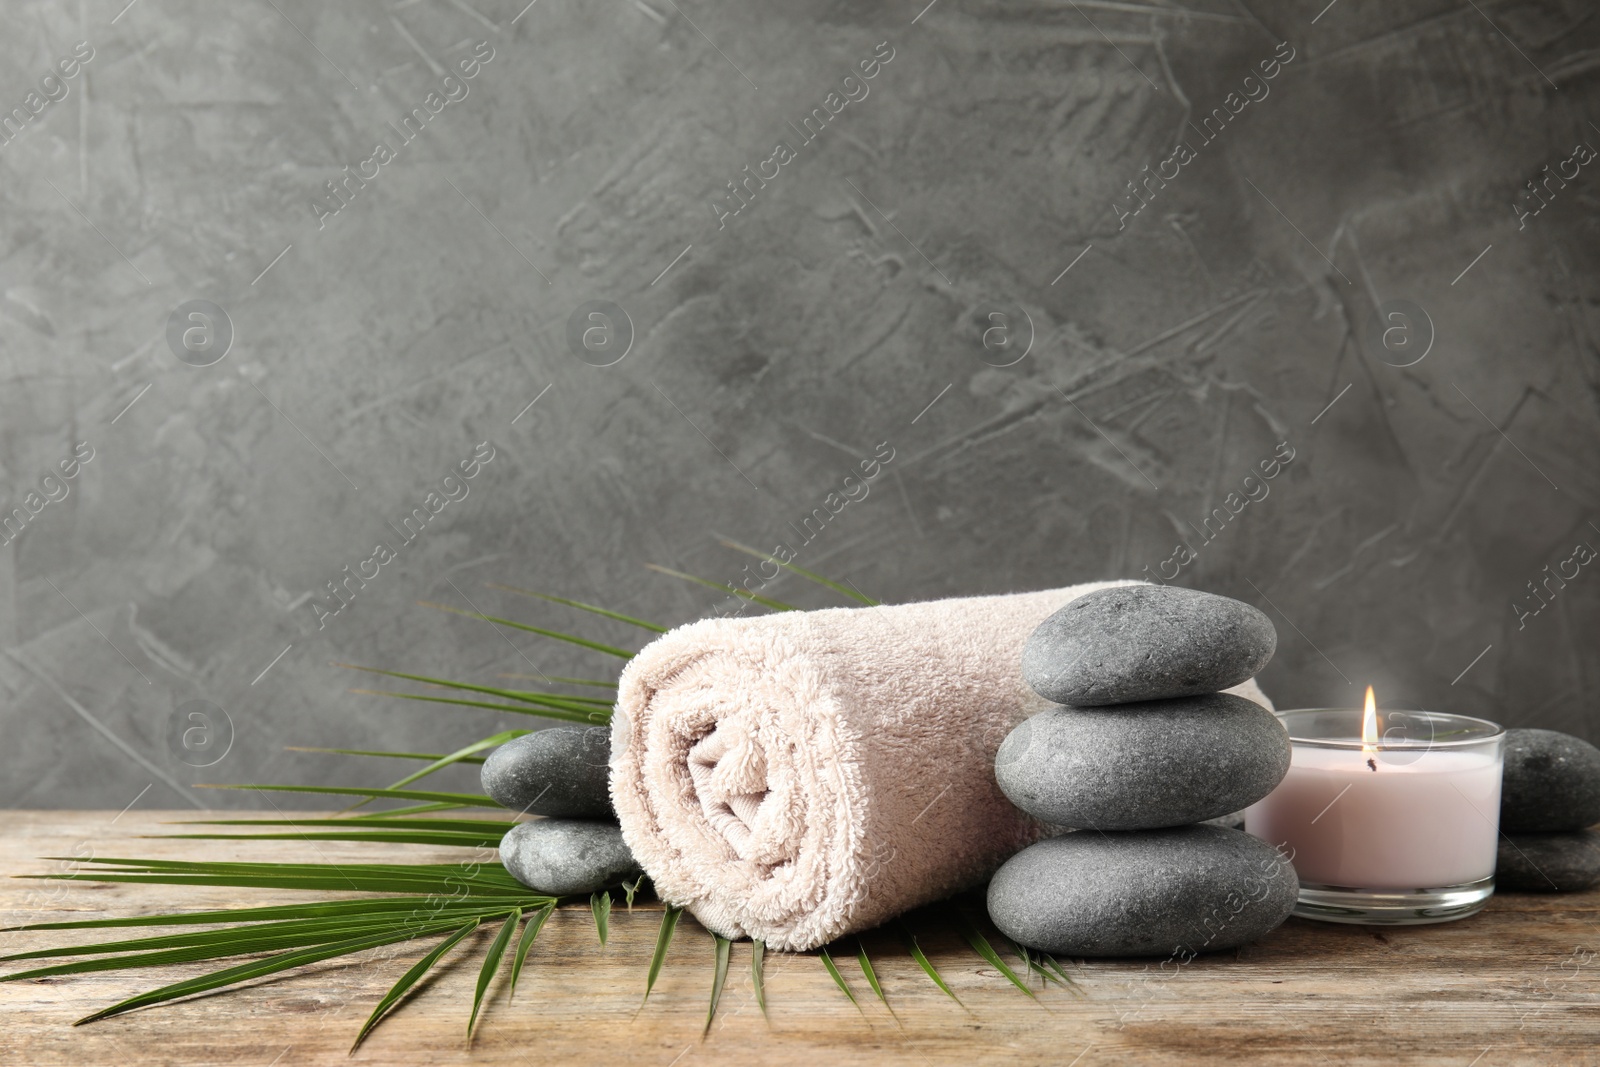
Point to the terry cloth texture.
(804, 775)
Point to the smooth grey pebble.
(561, 771)
(1179, 891)
(1146, 642)
(1551, 782)
(563, 857)
(1142, 766)
(1548, 863)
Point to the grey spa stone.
(1140, 766)
(1548, 863)
(567, 856)
(1551, 782)
(562, 771)
(1146, 642)
(1174, 893)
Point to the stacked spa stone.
(1144, 750)
(562, 773)
(1549, 797)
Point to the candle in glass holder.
(1388, 818)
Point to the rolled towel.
(805, 775)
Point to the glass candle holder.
(1396, 825)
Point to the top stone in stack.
(1146, 642)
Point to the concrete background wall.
(902, 280)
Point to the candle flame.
(1369, 723)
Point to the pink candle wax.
(1427, 822)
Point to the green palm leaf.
(492, 741)
(396, 837)
(577, 703)
(320, 909)
(600, 908)
(410, 978)
(776, 605)
(283, 961)
(758, 953)
(457, 800)
(371, 752)
(581, 606)
(1055, 965)
(411, 809)
(669, 923)
(491, 963)
(981, 946)
(593, 716)
(297, 868)
(719, 979)
(225, 943)
(422, 878)
(871, 975)
(582, 642)
(1029, 963)
(239, 940)
(927, 965)
(592, 682)
(802, 572)
(838, 979)
(530, 933)
(372, 820)
(1036, 964)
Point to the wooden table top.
(1518, 983)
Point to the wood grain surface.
(1519, 983)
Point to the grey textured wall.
(898, 277)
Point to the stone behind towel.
(563, 771)
(805, 775)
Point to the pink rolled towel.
(801, 776)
